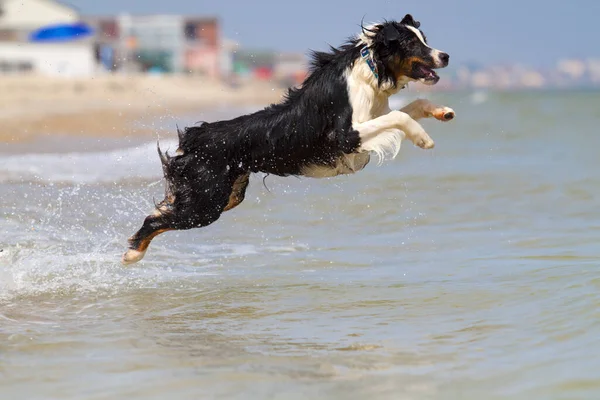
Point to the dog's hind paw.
(443, 114)
(132, 256)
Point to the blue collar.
(366, 55)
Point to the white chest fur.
(370, 101)
(367, 102)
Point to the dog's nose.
(445, 58)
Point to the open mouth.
(426, 74)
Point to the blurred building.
(23, 16)
(202, 46)
(131, 44)
(253, 64)
(158, 43)
(22, 52)
(285, 69)
(228, 50)
(290, 68)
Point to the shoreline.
(113, 107)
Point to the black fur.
(409, 20)
(311, 126)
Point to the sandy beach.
(109, 106)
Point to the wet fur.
(312, 132)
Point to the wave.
(140, 162)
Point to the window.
(190, 31)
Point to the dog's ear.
(390, 33)
(409, 20)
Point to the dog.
(330, 125)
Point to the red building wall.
(202, 53)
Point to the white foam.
(86, 167)
(59, 267)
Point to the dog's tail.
(174, 167)
(165, 160)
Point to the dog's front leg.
(369, 130)
(423, 108)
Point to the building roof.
(32, 14)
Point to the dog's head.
(402, 50)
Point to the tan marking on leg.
(238, 192)
(146, 241)
(423, 108)
(443, 114)
(134, 255)
(161, 209)
(163, 206)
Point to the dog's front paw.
(425, 143)
(443, 114)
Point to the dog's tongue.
(428, 73)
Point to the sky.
(529, 32)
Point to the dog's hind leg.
(153, 226)
(191, 207)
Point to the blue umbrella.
(61, 33)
